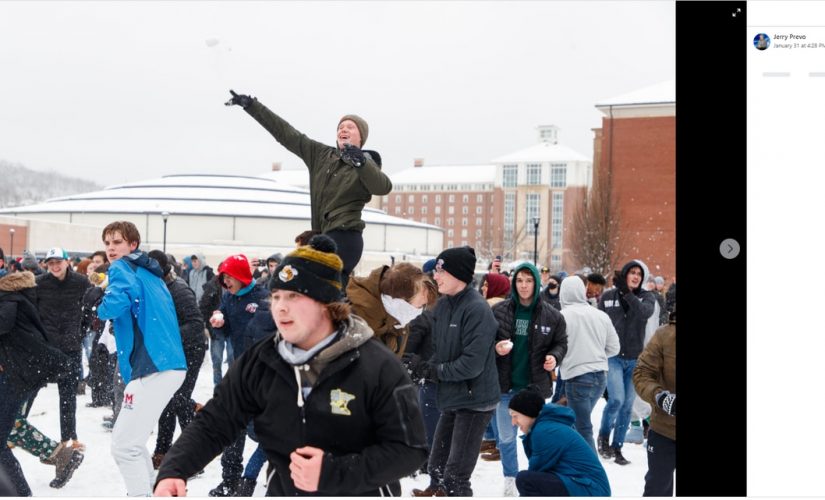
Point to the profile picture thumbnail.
(761, 41)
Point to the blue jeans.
(255, 464)
(616, 414)
(12, 481)
(559, 392)
(507, 436)
(491, 433)
(257, 460)
(217, 343)
(583, 392)
(87, 349)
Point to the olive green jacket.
(338, 191)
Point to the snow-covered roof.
(298, 177)
(215, 195)
(444, 174)
(542, 152)
(660, 93)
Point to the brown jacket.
(655, 372)
(366, 303)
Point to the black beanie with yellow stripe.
(313, 270)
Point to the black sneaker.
(225, 489)
(604, 447)
(620, 459)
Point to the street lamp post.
(165, 216)
(11, 245)
(536, 240)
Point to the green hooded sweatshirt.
(520, 373)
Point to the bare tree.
(595, 237)
(513, 250)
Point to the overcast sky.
(124, 91)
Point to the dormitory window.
(534, 174)
(510, 175)
(558, 175)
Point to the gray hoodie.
(198, 278)
(591, 337)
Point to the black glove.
(373, 155)
(621, 286)
(353, 155)
(239, 100)
(419, 368)
(667, 402)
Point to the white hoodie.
(591, 337)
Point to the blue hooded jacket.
(143, 314)
(554, 445)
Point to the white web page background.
(786, 206)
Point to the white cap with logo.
(56, 253)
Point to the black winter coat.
(59, 303)
(211, 299)
(464, 332)
(26, 357)
(363, 412)
(190, 320)
(88, 307)
(629, 314)
(553, 300)
(547, 334)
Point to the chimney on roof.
(548, 134)
(418, 162)
(276, 166)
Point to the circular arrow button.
(729, 248)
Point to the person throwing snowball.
(342, 179)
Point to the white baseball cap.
(56, 253)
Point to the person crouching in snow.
(561, 463)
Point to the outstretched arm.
(296, 142)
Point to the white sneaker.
(510, 487)
(635, 435)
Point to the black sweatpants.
(661, 463)
(67, 390)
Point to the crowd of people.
(346, 384)
(435, 367)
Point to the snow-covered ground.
(98, 476)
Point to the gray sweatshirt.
(591, 337)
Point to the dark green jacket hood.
(536, 280)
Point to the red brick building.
(495, 207)
(635, 152)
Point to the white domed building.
(217, 215)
